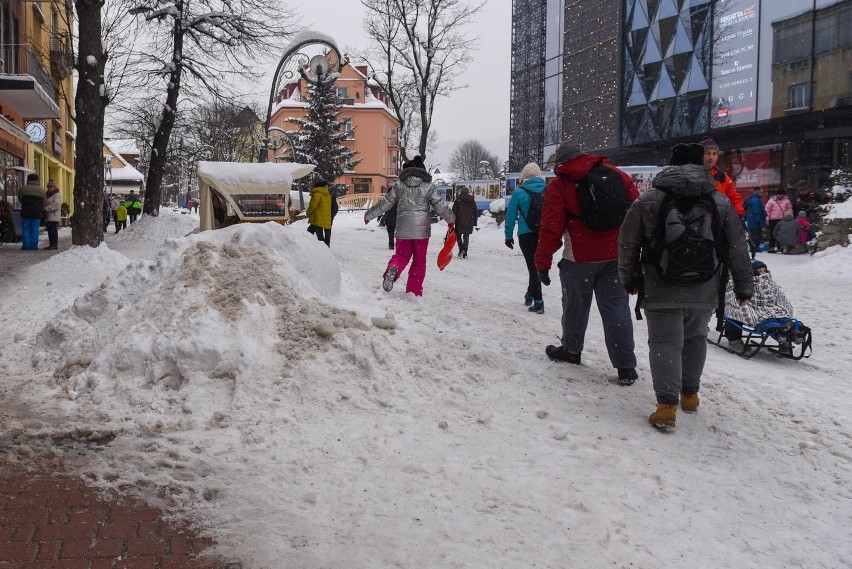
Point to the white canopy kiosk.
(233, 192)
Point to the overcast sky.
(481, 111)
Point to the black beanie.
(757, 265)
(417, 162)
(687, 154)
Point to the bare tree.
(197, 47)
(90, 105)
(467, 161)
(225, 130)
(420, 50)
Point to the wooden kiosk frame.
(233, 192)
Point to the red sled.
(446, 254)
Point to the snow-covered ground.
(235, 377)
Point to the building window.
(342, 93)
(825, 38)
(346, 127)
(793, 41)
(844, 29)
(798, 97)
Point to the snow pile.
(227, 300)
(169, 224)
(840, 211)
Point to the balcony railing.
(11, 62)
(37, 70)
(61, 60)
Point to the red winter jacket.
(560, 214)
(725, 185)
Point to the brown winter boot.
(689, 403)
(664, 416)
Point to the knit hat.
(803, 214)
(757, 265)
(417, 162)
(565, 152)
(531, 170)
(32, 177)
(687, 154)
(465, 190)
(709, 144)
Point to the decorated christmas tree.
(319, 137)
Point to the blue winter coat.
(520, 202)
(755, 212)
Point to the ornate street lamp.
(295, 59)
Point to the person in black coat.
(466, 213)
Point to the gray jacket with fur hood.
(638, 227)
(412, 193)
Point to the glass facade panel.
(553, 109)
(665, 66)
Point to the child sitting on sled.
(768, 301)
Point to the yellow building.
(36, 96)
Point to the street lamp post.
(294, 57)
(108, 172)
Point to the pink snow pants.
(405, 250)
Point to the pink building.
(367, 117)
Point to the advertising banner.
(735, 55)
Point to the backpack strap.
(527, 214)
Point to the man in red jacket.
(724, 183)
(589, 265)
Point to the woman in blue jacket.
(529, 184)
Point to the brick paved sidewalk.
(54, 521)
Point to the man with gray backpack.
(677, 244)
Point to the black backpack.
(533, 214)
(688, 244)
(604, 198)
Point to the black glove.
(544, 276)
(635, 284)
(510, 243)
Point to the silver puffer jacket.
(638, 227)
(412, 194)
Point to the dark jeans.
(581, 282)
(53, 233)
(463, 242)
(391, 230)
(322, 234)
(119, 225)
(756, 236)
(529, 243)
(772, 243)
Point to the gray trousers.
(677, 343)
(579, 282)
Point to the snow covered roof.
(125, 172)
(122, 145)
(251, 178)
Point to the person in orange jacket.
(724, 183)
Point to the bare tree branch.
(422, 49)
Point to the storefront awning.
(25, 97)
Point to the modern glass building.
(771, 81)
